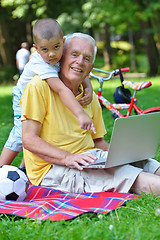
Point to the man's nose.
(80, 59)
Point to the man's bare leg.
(147, 182)
(158, 172)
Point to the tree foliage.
(107, 18)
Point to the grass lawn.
(139, 219)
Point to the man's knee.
(158, 171)
(146, 182)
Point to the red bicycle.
(122, 96)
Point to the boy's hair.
(82, 35)
(46, 28)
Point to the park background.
(127, 33)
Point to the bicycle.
(122, 96)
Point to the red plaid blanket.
(45, 203)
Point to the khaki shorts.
(116, 179)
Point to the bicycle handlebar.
(125, 69)
(114, 72)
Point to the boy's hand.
(86, 123)
(87, 97)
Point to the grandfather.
(53, 141)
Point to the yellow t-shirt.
(60, 127)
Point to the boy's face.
(50, 50)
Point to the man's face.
(77, 61)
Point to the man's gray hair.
(81, 35)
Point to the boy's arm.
(88, 92)
(71, 103)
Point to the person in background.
(22, 57)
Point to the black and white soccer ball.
(13, 183)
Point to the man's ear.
(92, 67)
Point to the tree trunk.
(5, 45)
(151, 48)
(107, 51)
(132, 55)
(29, 33)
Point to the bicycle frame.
(114, 108)
(108, 105)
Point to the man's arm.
(101, 143)
(34, 143)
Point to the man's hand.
(77, 160)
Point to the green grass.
(8, 74)
(138, 220)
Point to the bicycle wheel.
(153, 111)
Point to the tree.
(105, 17)
(5, 43)
(148, 13)
(121, 16)
(111, 18)
(23, 14)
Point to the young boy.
(48, 41)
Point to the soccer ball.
(13, 183)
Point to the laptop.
(133, 139)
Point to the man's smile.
(77, 70)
